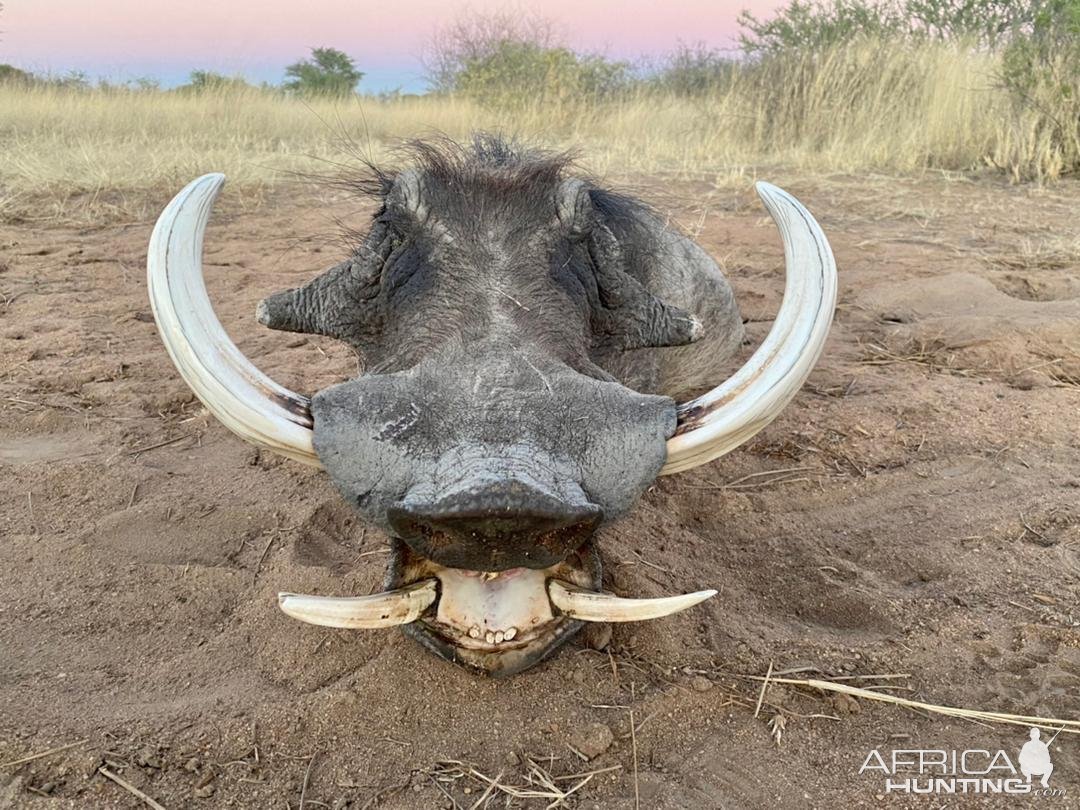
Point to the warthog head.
(512, 321)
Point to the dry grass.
(1054, 251)
(539, 784)
(874, 106)
(976, 715)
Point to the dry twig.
(42, 754)
(130, 788)
(307, 778)
(166, 443)
(764, 686)
(633, 748)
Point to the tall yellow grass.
(871, 106)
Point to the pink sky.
(121, 39)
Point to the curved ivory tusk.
(246, 401)
(590, 606)
(387, 609)
(719, 421)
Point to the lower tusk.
(591, 606)
(387, 609)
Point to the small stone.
(205, 792)
(192, 765)
(348, 699)
(1027, 380)
(148, 758)
(512, 759)
(592, 740)
(845, 704)
(597, 636)
(700, 683)
(650, 789)
(205, 779)
(88, 764)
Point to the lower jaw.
(449, 637)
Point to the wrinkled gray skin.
(523, 333)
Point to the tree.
(693, 70)
(473, 38)
(329, 72)
(524, 73)
(507, 58)
(9, 74)
(810, 25)
(204, 81)
(1041, 68)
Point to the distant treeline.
(327, 73)
(507, 58)
(812, 61)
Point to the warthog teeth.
(387, 609)
(493, 636)
(591, 606)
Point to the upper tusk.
(590, 606)
(246, 401)
(720, 420)
(387, 609)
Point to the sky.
(167, 39)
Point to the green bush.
(517, 73)
(805, 25)
(819, 24)
(986, 22)
(1041, 69)
(11, 75)
(207, 81)
(514, 58)
(693, 71)
(329, 73)
(1036, 41)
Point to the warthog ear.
(407, 194)
(625, 315)
(340, 303)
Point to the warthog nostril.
(508, 524)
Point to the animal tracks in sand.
(49, 447)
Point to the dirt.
(910, 524)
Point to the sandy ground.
(915, 514)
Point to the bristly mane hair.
(497, 165)
(488, 159)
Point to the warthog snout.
(495, 526)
